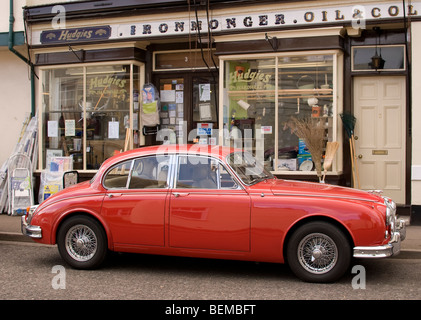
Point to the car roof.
(197, 149)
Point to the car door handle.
(113, 195)
(180, 194)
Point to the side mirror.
(70, 178)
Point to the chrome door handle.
(179, 194)
(112, 195)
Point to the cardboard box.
(302, 148)
(290, 164)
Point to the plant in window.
(312, 131)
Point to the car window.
(226, 180)
(118, 175)
(197, 172)
(149, 173)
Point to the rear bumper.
(393, 247)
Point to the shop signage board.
(75, 35)
(356, 15)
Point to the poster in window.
(205, 112)
(204, 92)
(69, 128)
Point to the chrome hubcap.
(317, 253)
(81, 243)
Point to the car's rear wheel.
(82, 242)
(318, 252)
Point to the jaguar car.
(214, 202)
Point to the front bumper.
(390, 249)
(397, 234)
(28, 229)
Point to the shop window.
(378, 58)
(263, 99)
(89, 113)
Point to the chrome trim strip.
(320, 196)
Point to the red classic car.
(214, 202)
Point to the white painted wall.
(15, 100)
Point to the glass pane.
(107, 112)
(149, 173)
(305, 92)
(62, 117)
(172, 109)
(249, 108)
(392, 58)
(117, 177)
(197, 172)
(185, 60)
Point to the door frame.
(408, 139)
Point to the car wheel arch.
(70, 215)
(315, 218)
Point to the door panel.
(379, 106)
(205, 212)
(136, 217)
(210, 219)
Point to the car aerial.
(214, 202)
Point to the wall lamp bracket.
(273, 41)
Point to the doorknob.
(356, 137)
(360, 156)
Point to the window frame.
(378, 70)
(217, 161)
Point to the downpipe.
(23, 58)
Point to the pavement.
(10, 231)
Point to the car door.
(135, 201)
(208, 209)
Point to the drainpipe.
(27, 61)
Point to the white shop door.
(379, 106)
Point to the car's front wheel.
(318, 252)
(82, 242)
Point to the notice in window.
(52, 129)
(113, 129)
(69, 128)
(204, 91)
(167, 95)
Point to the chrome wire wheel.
(81, 243)
(317, 253)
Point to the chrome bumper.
(387, 250)
(29, 230)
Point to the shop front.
(228, 74)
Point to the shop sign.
(356, 15)
(277, 19)
(75, 35)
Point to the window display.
(265, 97)
(89, 113)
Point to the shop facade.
(232, 74)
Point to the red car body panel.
(249, 223)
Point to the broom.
(331, 148)
(348, 121)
